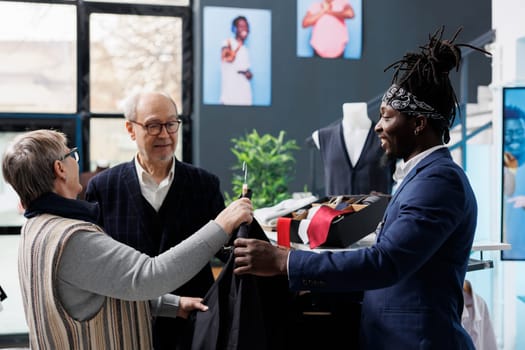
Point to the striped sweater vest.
(118, 324)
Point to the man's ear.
(130, 129)
(421, 123)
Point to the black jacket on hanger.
(245, 312)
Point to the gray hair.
(27, 164)
(129, 105)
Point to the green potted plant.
(270, 164)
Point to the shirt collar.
(403, 168)
(145, 177)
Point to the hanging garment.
(245, 312)
(476, 320)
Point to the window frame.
(79, 120)
(84, 10)
(83, 110)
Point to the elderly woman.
(82, 289)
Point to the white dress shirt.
(403, 168)
(153, 192)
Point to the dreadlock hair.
(426, 75)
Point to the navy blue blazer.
(193, 199)
(413, 276)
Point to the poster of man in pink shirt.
(329, 28)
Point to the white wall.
(508, 21)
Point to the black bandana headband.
(405, 102)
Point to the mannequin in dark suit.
(153, 226)
(352, 156)
(412, 277)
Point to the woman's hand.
(238, 212)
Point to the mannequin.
(351, 154)
(356, 125)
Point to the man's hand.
(189, 304)
(259, 258)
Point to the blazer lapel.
(131, 181)
(175, 193)
(422, 164)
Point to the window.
(132, 47)
(52, 65)
(62, 74)
(37, 57)
(130, 52)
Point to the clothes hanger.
(467, 287)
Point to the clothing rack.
(476, 264)
(482, 264)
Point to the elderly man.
(156, 201)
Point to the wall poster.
(513, 206)
(236, 56)
(329, 28)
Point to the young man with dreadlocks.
(413, 275)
